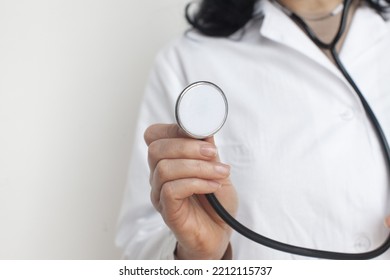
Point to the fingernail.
(387, 222)
(222, 169)
(208, 151)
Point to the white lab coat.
(305, 160)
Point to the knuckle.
(167, 191)
(162, 169)
(154, 199)
(150, 133)
(201, 167)
(153, 149)
(193, 167)
(147, 134)
(165, 195)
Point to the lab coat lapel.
(278, 27)
(360, 36)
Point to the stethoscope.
(202, 109)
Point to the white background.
(71, 76)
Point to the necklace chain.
(332, 13)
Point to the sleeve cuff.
(169, 246)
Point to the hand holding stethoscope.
(179, 168)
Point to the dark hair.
(221, 18)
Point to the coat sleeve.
(141, 232)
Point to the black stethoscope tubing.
(232, 222)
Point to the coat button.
(362, 243)
(347, 115)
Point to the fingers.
(177, 148)
(163, 131)
(176, 169)
(171, 195)
(181, 166)
(170, 170)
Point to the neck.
(310, 7)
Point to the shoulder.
(191, 42)
(193, 47)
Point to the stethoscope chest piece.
(201, 109)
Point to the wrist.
(181, 253)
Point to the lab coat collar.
(277, 26)
(361, 36)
